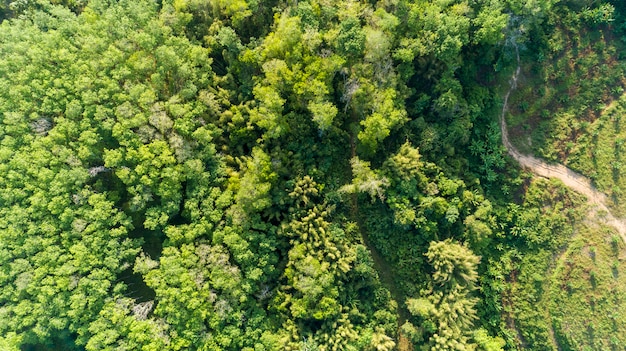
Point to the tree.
(488, 343)
(255, 184)
(351, 39)
(446, 308)
(366, 181)
(385, 117)
(10, 342)
(207, 313)
(454, 265)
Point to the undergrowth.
(570, 294)
(570, 101)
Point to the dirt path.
(573, 180)
(384, 269)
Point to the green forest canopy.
(267, 175)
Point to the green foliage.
(319, 259)
(351, 39)
(486, 342)
(254, 186)
(384, 117)
(366, 181)
(213, 291)
(533, 234)
(267, 175)
(454, 264)
(10, 342)
(447, 310)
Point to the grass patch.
(570, 104)
(564, 89)
(600, 153)
(586, 292)
(570, 108)
(542, 226)
(569, 292)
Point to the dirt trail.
(384, 269)
(573, 180)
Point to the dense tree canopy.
(256, 175)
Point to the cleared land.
(582, 294)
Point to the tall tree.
(446, 310)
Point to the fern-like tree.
(445, 311)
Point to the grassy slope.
(599, 153)
(564, 90)
(570, 108)
(560, 111)
(569, 294)
(585, 293)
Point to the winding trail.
(571, 179)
